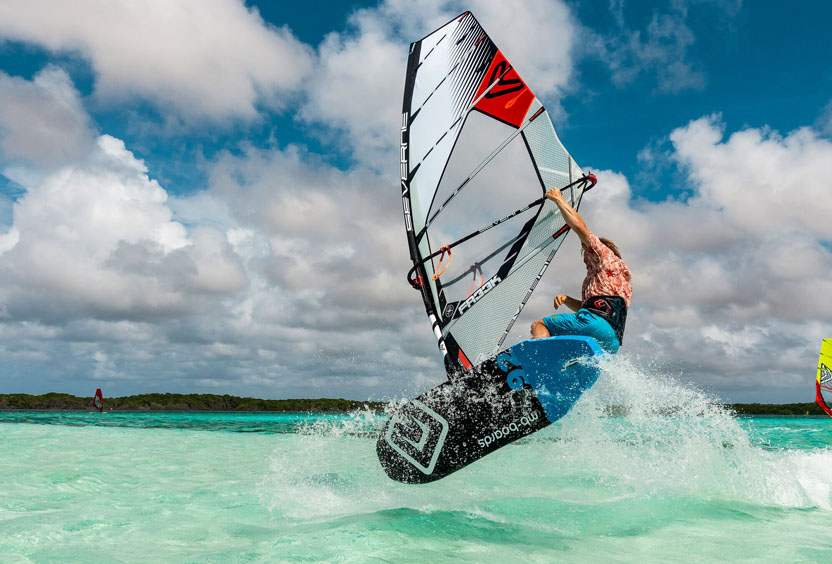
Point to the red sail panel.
(510, 98)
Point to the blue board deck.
(520, 391)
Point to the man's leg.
(600, 330)
(581, 323)
(554, 325)
(539, 330)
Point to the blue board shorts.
(584, 323)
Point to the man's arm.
(570, 216)
(570, 302)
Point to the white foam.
(671, 441)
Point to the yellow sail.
(823, 394)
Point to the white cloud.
(286, 265)
(96, 239)
(202, 58)
(729, 282)
(339, 98)
(661, 48)
(216, 59)
(764, 183)
(824, 121)
(546, 62)
(330, 237)
(43, 121)
(326, 258)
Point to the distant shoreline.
(214, 402)
(185, 402)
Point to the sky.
(201, 196)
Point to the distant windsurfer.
(98, 400)
(605, 296)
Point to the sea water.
(670, 478)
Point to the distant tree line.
(214, 402)
(776, 408)
(184, 402)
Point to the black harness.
(612, 308)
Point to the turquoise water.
(697, 486)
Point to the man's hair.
(611, 246)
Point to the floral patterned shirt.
(606, 274)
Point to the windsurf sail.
(823, 387)
(478, 152)
(98, 400)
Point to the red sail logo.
(507, 97)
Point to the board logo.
(449, 310)
(507, 85)
(418, 436)
(515, 375)
(508, 430)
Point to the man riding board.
(605, 295)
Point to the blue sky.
(201, 196)
(759, 65)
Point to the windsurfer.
(605, 295)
